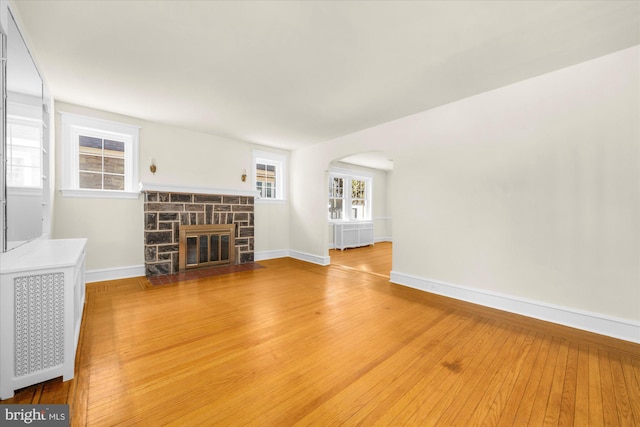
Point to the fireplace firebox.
(206, 246)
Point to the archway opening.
(360, 232)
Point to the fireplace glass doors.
(206, 246)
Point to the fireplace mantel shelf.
(146, 186)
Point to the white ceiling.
(290, 73)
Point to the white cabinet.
(42, 291)
(352, 234)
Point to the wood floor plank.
(554, 402)
(631, 376)
(295, 343)
(525, 405)
(508, 414)
(623, 402)
(596, 416)
(504, 392)
(582, 387)
(609, 404)
(569, 384)
(545, 385)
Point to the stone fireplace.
(165, 212)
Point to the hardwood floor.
(296, 343)
(371, 259)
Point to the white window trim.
(280, 162)
(348, 175)
(72, 124)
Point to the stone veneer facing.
(164, 212)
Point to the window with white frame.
(269, 175)
(336, 197)
(100, 158)
(349, 196)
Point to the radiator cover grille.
(39, 322)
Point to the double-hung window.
(336, 197)
(269, 175)
(349, 195)
(100, 157)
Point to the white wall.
(530, 191)
(114, 227)
(271, 230)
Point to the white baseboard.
(138, 270)
(382, 239)
(376, 240)
(623, 329)
(315, 259)
(259, 256)
(114, 273)
(283, 253)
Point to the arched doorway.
(358, 205)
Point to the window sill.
(100, 194)
(341, 221)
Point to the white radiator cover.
(42, 292)
(352, 234)
(39, 322)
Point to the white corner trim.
(623, 329)
(144, 186)
(114, 273)
(261, 256)
(315, 259)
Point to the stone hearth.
(165, 212)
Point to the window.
(100, 157)
(336, 197)
(101, 163)
(24, 153)
(349, 196)
(358, 198)
(266, 180)
(268, 175)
